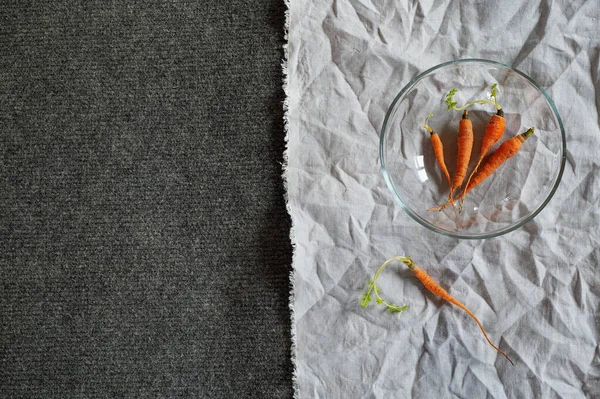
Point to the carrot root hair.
(463, 307)
(462, 201)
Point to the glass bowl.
(510, 197)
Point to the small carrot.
(508, 149)
(465, 146)
(438, 149)
(493, 132)
(436, 289)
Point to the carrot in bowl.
(438, 149)
(464, 141)
(463, 156)
(435, 289)
(506, 150)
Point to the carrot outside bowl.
(516, 192)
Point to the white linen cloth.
(536, 290)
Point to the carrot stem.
(528, 133)
(427, 127)
(473, 103)
(493, 94)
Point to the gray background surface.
(144, 241)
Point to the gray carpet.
(144, 238)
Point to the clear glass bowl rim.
(418, 218)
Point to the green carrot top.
(493, 94)
(366, 298)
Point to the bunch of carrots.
(493, 133)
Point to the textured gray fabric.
(144, 241)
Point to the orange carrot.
(493, 132)
(465, 146)
(508, 149)
(429, 283)
(438, 150)
(436, 289)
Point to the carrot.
(465, 146)
(507, 150)
(493, 132)
(438, 150)
(435, 289)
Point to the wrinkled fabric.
(536, 290)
